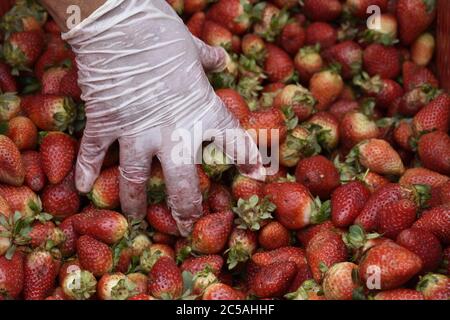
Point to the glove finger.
(90, 160)
(135, 163)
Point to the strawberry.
(56, 53)
(424, 244)
(381, 60)
(11, 275)
(216, 35)
(321, 10)
(414, 100)
(414, 76)
(305, 235)
(421, 12)
(21, 199)
(435, 116)
(271, 121)
(292, 37)
(79, 285)
(40, 271)
(141, 297)
(61, 200)
(232, 14)
(339, 283)
(422, 50)
(396, 217)
(234, 102)
(195, 265)
(434, 151)
(347, 201)
(385, 91)
(45, 235)
(273, 280)
(295, 98)
(105, 192)
(422, 176)
(319, 175)
(220, 291)
(326, 86)
(434, 287)
(194, 6)
(270, 21)
(324, 250)
(309, 290)
(9, 106)
(284, 254)
(436, 220)
(349, 55)
(219, 198)
(22, 49)
(321, 34)
(328, 135)
(140, 281)
(399, 294)
(52, 27)
(95, 256)
(278, 66)
(241, 245)
(57, 155)
(295, 208)
(23, 132)
(52, 79)
(244, 188)
(68, 247)
(403, 134)
(211, 232)
(7, 81)
(273, 236)
(11, 167)
(165, 280)
(50, 113)
(160, 218)
(195, 24)
(104, 225)
(341, 107)
(114, 286)
(391, 275)
(308, 61)
(254, 47)
(358, 8)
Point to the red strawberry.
(165, 280)
(396, 217)
(305, 235)
(266, 120)
(195, 265)
(50, 113)
(403, 134)
(273, 236)
(339, 283)
(57, 155)
(21, 199)
(347, 201)
(278, 66)
(22, 49)
(11, 167)
(195, 24)
(68, 247)
(419, 11)
(220, 291)
(104, 225)
(349, 55)
(61, 200)
(391, 275)
(231, 14)
(295, 208)
(94, 256)
(7, 81)
(45, 234)
(326, 86)
(114, 286)
(341, 107)
(424, 244)
(56, 53)
(319, 175)
(322, 10)
(141, 297)
(358, 8)
(434, 287)
(234, 102)
(324, 250)
(216, 35)
(219, 198)
(382, 60)
(23, 132)
(435, 116)
(69, 85)
(12, 275)
(292, 37)
(298, 99)
(285, 254)
(105, 192)
(40, 271)
(322, 34)
(273, 280)
(211, 232)
(434, 151)
(241, 245)
(415, 76)
(52, 79)
(160, 218)
(244, 188)
(399, 294)
(437, 221)
(418, 176)
(308, 61)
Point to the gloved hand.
(142, 75)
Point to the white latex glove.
(142, 75)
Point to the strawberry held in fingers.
(11, 166)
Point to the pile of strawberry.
(359, 209)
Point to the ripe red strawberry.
(358, 8)
(7, 81)
(12, 275)
(45, 235)
(396, 217)
(422, 176)
(305, 235)
(319, 175)
(160, 218)
(50, 113)
(11, 167)
(289, 4)
(165, 280)
(381, 60)
(273, 280)
(326, 86)
(52, 79)
(61, 200)
(234, 102)
(278, 66)
(415, 76)
(292, 37)
(273, 236)
(40, 272)
(321, 34)
(347, 201)
(343, 106)
(194, 6)
(105, 192)
(419, 11)
(324, 250)
(57, 53)
(114, 286)
(211, 232)
(349, 55)
(322, 10)
(339, 283)
(435, 116)
(424, 244)
(295, 208)
(399, 294)
(437, 221)
(231, 14)
(69, 246)
(216, 35)
(21, 199)
(244, 188)
(23, 132)
(94, 256)
(195, 24)
(403, 134)
(195, 265)
(434, 151)
(219, 198)
(391, 275)
(308, 61)
(434, 287)
(267, 120)
(285, 254)
(220, 291)
(57, 155)
(22, 49)
(385, 91)
(69, 85)
(104, 225)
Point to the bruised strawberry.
(94, 256)
(211, 232)
(40, 272)
(11, 167)
(160, 218)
